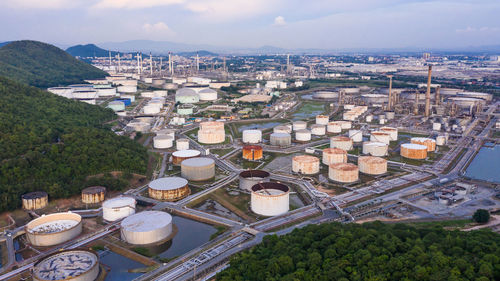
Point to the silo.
(252, 152)
(334, 127)
(35, 200)
(93, 194)
(168, 189)
(182, 144)
(163, 142)
(375, 148)
(318, 130)
(429, 143)
(252, 136)
(249, 178)
(117, 208)
(299, 125)
(198, 169)
(281, 139)
(380, 136)
(334, 155)
(356, 135)
(75, 265)
(181, 155)
(343, 172)
(146, 227)
(282, 129)
(270, 199)
(322, 119)
(303, 135)
(413, 151)
(393, 132)
(372, 165)
(341, 142)
(305, 164)
(53, 229)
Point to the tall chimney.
(138, 65)
(389, 104)
(438, 96)
(161, 64)
(288, 63)
(428, 93)
(197, 63)
(151, 64)
(415, 108)
(119, 63)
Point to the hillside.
(43, 65)
(52, 143)
(88, 50)
(371, 251)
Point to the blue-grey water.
(258, 126)
(308, 110)
(485, 165)
(119, 266)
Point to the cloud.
(159, 27)
(470, 29)
(134, 4)
(228, 10)
(279, 20)
(41, 4)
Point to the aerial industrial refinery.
(242, 146)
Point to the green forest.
(370, 251)
(43, 65)
(51, 143)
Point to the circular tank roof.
(198, 162)
(186, 153)
(414, 146)
(94, 189)
(344, 166)
(146, 221)
(254, 174)
(118, 202)
(168, 183)
(65, 265)
(34, 195)
(269, 186)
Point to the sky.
(323, 24)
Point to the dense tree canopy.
(481, 216)
(43, 65)
(51, 143)
(371, 251)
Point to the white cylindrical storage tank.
(207, 95)
(369, 118)
(160, 93)
(303, 135)
(147, 95)
(127, 89)
(372, 165)
(440, 140)
(249, 178)
(380, 136)
(53, 229)
(130, 97)
(151, 109)
(166, 132)
(305, 164)
(118, 208)
(163, 141)
(252, 136)
(282, 129)
(381, 121)
(393, 132)
(146, 227)
(334, 127)
(106, 92)
(181, 155)
(322, 119)
(270, 199)
(356, 135)
(334, 155)
(74, 265)
(436, 126)
(281, 139)
(211, 136)
(198, 169)
(318, 130)
(299, 125)
(345, 125)
(182, 144)
(375, 148)
(341, 142)
(186, 95)
(343, 172)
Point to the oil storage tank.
(146, 227)
(428, 142)
(341, 142)
(207, 94)
(322, 119)
(211, 132)
(252, 136)
(252, 152)
(186, 95)
(75, 265)
(303, 135)
(249, 178)
(318, 130)
(169, 189)
(299, 125)
(305, 164)
(372, 165)
(282, 129)
(393, 132)
(380, 136)
(198, 169)
(163, 141)
(270, 199)
(35, 200)
(375, 148)
(334, 127)
(182, 144)
(93, 194)
(53, 229)
(343, 172)
(117, 208)
(181, 155)
(413, 151)
(281, 139)
(356, 135)
(334, 155)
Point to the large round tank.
(343, 172)
(186, 95)
(146, 227)
(282, 129)
(356, 135)
(429, 143)
(345, 125)
(299, 125)
(252, 136)
(281, 139)
(211, 132)
(106, 92)
(465, 102)
(322, 119)
(318, 130)
(334, 127)
(181, 155)
(380, 136)
(249, 178)
(35, 200)
(393, 132)
(349, 90)
(198, 169)
(325, 95)
(185, 109)
(375, 148)
(341, 142)
(74, 265)
(207, 94)
(252, 152)
(163, 141)
(168, 189)
(413, 151)
(305, 164)
(127, 89)
(93, 194)
(303, 135)
(151, 109)
(166, 132)
(182, 144)
(158, 82)
(53, 229)
(372, 165)
(334, 155)
(270, 199)
(117, 208)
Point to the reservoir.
(485, 165)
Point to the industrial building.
(270, 199)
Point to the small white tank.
(252, 136)
(440, 140)
(303, 135)
(436, 126)
(299, 125)
(163, 141)
(182, 144)
(369, 118)
(322, 119)
(356, 135)
(334, 127)
(117, 208)
(380, 136)
(318, 130)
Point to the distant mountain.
(156, 47)
(43, 65)
(89, 50)
(201, 53)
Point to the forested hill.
(52, 143)
(43, 65)
(88, 50)
(371, 251)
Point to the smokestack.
(119, 63)
(428, 93)
(389, 104)
(161, 63)
(415, 108)
(151, 64)
(197, 63)
(138, 67)
(224, 64)
(288, 63)
(438, 96)
(109, 60)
